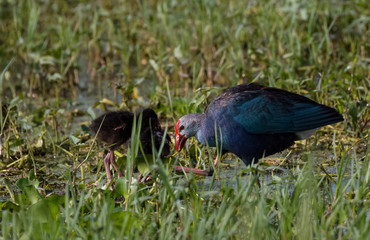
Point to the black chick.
(116, 128)
(152, 132)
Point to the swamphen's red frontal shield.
(180, 140)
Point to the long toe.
(120, 174)
(195, 171)
(210, 171)
(216, 161)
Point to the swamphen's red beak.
(180, 140)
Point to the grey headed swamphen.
(253, 121)
(114, 128)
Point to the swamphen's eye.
(181, 127)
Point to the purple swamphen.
(253, 121)
(114, 128)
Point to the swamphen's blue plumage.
(253, 121)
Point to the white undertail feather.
(305, 134)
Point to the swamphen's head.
(187, 126)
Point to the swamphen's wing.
(265, 110)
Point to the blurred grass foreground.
(64, 62)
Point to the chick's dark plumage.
(115, 128)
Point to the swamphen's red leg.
(196, 171)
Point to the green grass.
(61, 59)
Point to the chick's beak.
(180, 141)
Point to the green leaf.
(86, 129)
(143, 168)
(29, 189)
(74, 139)
(91, 112)
(154, 65)
(9, 205)
(42, 210)
(122, 187)
(38, 143)
(2, 75)
(143, 163)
